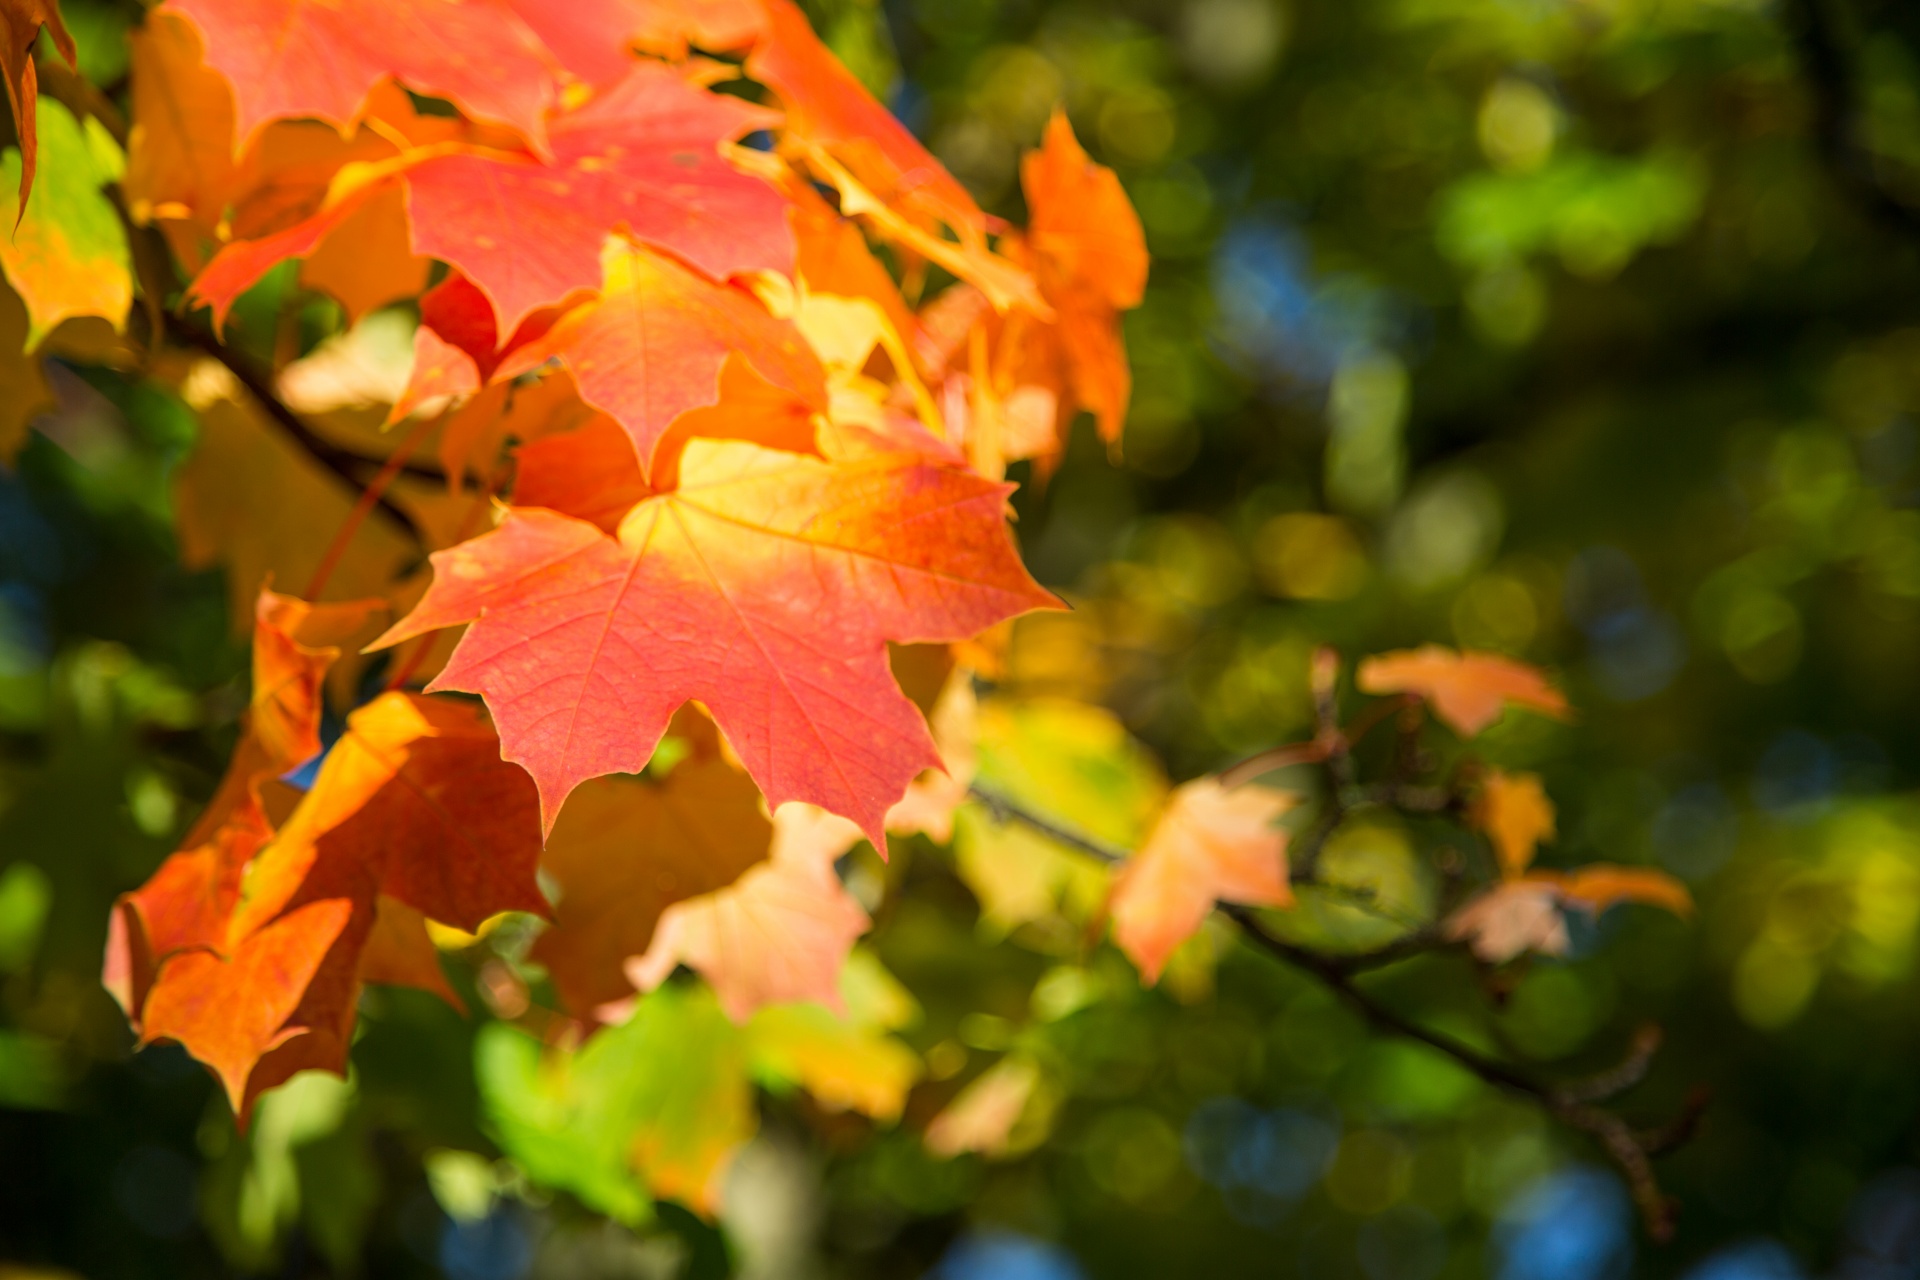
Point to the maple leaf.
(20, 23)
(1598, 885)
(1512, 918)
(186, 903)
(66, 254)
(1528, 913)
(1091, 255)
(589, 472)
(1467, 690)
(982, 1117)
(780, 933)
(655, 343)
(766, 586)
(1514, 811)
(231, 1011)
(827, 103)
(592, 37)
(624, 851)
(1211, 844)
(321, 58)
(180, 165)
(666, 1095)
(840, 1058)
(643, 158)
(412, 802)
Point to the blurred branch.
(1829, 76)
(159, 283)
(344, 463)
(1573, 1103)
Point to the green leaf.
(68, 256)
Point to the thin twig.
(371, 495)
(1571, 1104)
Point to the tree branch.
(1572, 1104)
(341, 462)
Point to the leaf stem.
(371, 495)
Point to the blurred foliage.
(1562, 328)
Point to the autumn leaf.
(843, 1059)
(1211, 844)
(766, 587)
(293, 58)
(642, 158)
(1599, 885)
(665, 1100)
(186, 903)
(1528, 913)
(1091, 258)
(827, 104)
(592, 38)
(231, 1011)
(1510, 919)
(1514, 811)
(625, 850)
(413, 802)
(589, 472)
(20, 23)
(779, 933)
(1467, 690)
(180, 164)
(67, 256)
(983, 1116)
(654, 344)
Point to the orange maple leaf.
(780, 933)
(1467, 690)
(414, 803)
(624, 851)
(1210, 844)
(1091, 259)
(1514, 811)
(653, 346)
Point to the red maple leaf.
(766, 587)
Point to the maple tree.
(719, 536)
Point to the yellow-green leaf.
(68, 256)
